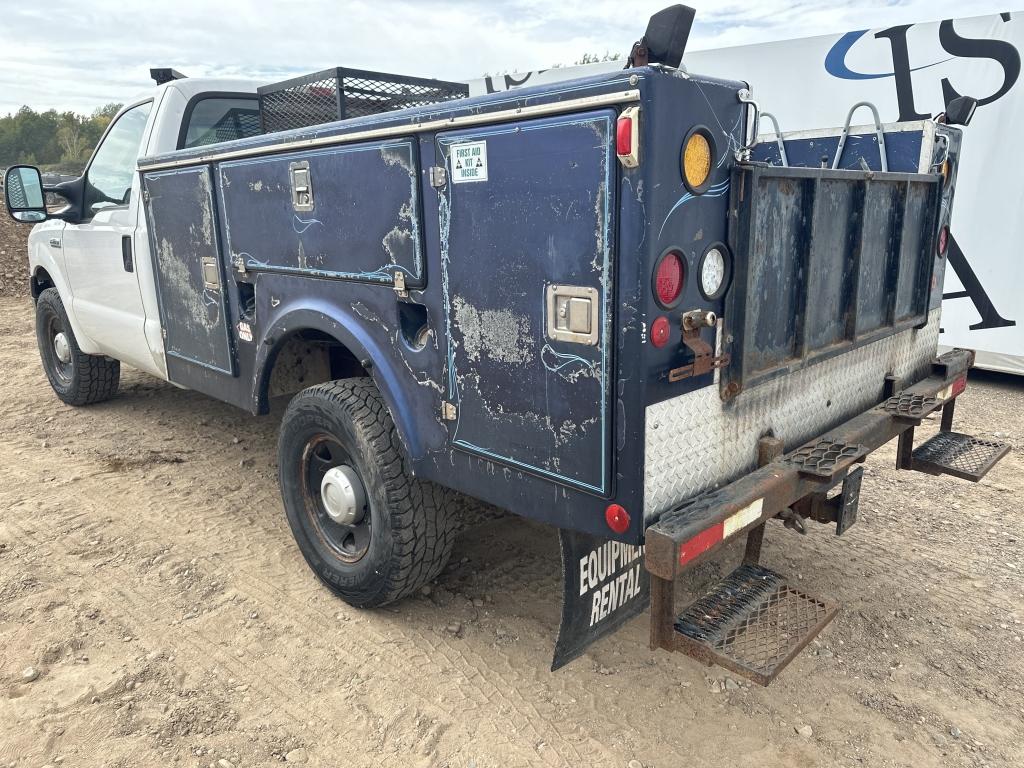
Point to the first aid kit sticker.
(469, 162)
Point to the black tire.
(81, 379)
(409, 533)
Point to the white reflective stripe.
(945, 394)
(738, 520)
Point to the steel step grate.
(909, 407)
(959, 455)
(752, 622)
(824, 458)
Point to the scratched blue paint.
(182, 228)
(356, 231)
(492, 246)
(552, 180)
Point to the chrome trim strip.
(537, 110)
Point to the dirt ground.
(13, 259)
(148, 577)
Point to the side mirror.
(960, 110)
(23, 193)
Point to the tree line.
(54, 141)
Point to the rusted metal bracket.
(704, 358)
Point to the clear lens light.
(712, 272)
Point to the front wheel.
(77, 378)
(368, 529)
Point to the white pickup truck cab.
(95, 252)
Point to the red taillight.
(943, 240)
(624, 136)
(617, 518)
(668, 279)
(627, 137)
(660, 331)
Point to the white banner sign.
(909, 72)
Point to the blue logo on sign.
(835, 60)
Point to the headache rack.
(341, 93)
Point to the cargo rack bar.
(405, 129)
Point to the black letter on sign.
(897, 37)
(999, 51)
(973, 290)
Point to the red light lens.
(668, 280)
(617, 518)
(959, 386)
(624, 136)
(660, 331)
(943, 240)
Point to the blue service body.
(546, 428)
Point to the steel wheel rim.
(349, 543)
(63, 369)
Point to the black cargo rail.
(825, 261)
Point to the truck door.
(526, 230)
(99, 252)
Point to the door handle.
(573, 314)
(126, 253)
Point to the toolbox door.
(184, 241)
(526, 251)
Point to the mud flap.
(604, 585)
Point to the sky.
(80, 55)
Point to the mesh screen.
(330, 96)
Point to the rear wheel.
(77, 378)
(368, 529)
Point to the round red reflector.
(660, 331)
(617, 518)
(668, 279)
(943, 240)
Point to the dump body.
(490, 263)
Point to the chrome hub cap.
(62, 348)
(342, 495)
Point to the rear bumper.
(689, 533)
(695, 442)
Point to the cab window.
(220, 118)
(108, 182)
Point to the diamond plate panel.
(719, 441)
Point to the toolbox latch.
(211, 274)
(302, 185)
(573, 314)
